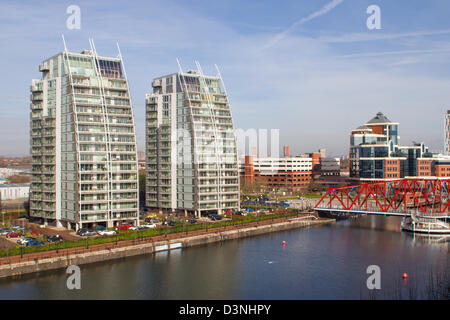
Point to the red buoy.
(405, 275)
(284, 243)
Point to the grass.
(14, 212)
(306, 195)
(133, 235)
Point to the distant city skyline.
(309, 68)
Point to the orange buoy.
(405, 275)
(284, 243)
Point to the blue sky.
(311, 72)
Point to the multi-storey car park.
(190, 145)
(83, 142)
(287, 173)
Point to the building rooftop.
(14, 185)
(379, 118)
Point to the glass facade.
(93, 146)
(374, 144)
(191, 147)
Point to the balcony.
(36, 97)
(44, 68)
(157, 83)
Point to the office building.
(447, 133)
(375, 153)
(191, 148)
(14, 191)
(330, 166)
(286, 151)
(83, 142)
(279, 174)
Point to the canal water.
(326, 262)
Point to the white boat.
(425, 224)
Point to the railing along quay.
(36, 256)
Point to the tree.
(142, 188)
(314, 186)
(258, 186)
(19, 179)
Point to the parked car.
(36, 233)
(12, 234)
(82, 231)
(192, 221)
(169, 223)
(125, 226)
(4, 231)
(14, 226)
(100, 228)
(87, 233)
(54, 238)
(152, 220)
(215, 217)
(34, 243)
(25, 240)
(133, 228)
(148, 226)
(106, 232)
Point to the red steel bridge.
(403, 197)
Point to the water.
(327, 262)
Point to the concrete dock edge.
(18, 269)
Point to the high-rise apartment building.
(286, 151)
(83, 142)
(191, 147)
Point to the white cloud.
(325, 9)
(370, 36)
(300, 86)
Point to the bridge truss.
(403, 197)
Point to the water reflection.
(430, 239)
(326, 262)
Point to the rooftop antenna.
(118, 49)
(221, 80)
(93, 46)
(64, 42)
(179, 66)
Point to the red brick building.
(284, 174)
(437, 167)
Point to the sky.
(310, 68)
